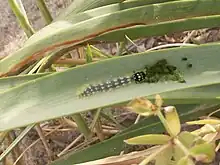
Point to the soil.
(11, 35)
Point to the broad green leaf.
(125, 159)
(161, 28)
(55, 95)
(116, 144)
(172, 118)
(204, 92)
(78, 6)
(10, 82)
(204, 152)
(64, 33)
(205, 121)
(149, 139)
(90, 14)
(81, 5)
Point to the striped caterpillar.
(161, 71)
(137, 77)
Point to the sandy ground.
(11, 35)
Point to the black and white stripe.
(137, 77)
(106, 86)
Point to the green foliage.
(116, 144)
(30, 99)
(55, 95)
(57, 33)
(186, 144)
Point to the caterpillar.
(160, 71)
(137, 77)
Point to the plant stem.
(99, 53)
(82, 126)
(96, 123)
(181, 146)
(44, 141)
(21, 18)
(89, 55)
(44, 11)
(121, 47)
(164, 122)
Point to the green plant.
(176, 147)
(36, 97)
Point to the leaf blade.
(149, 139)
(55, 95)
(60, 34)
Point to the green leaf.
(205, 121)
(173, 120)
(89, 55)
(97, 5)
(116, 144)
(18, 9)
(10, 82)
(78, 6)
(67, 32)
(161, 28)
(149, 139)
(187, 139)
(204, 152)
(55, 95)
